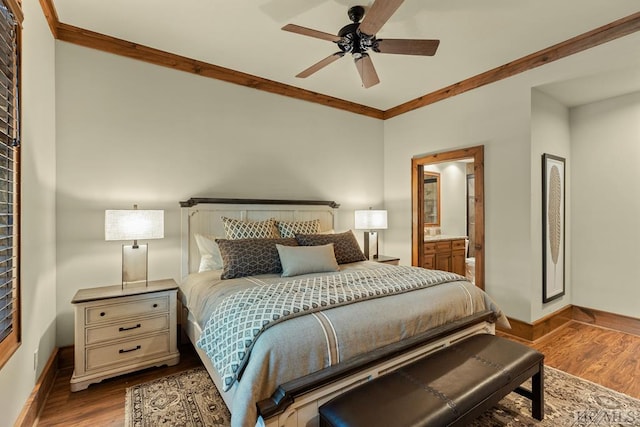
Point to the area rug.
(189, 398)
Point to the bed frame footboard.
(296, 403)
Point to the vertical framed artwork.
(553, 227)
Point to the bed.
(325, 331)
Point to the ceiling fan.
(359, 37)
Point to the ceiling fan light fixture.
(359, 37)
(347, 42)
(366, 41)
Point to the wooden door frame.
(417, 208)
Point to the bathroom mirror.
(431, 199)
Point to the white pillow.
(297, 260)
(210, 258)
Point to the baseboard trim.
(542, 327)
(618, 322)
(36, 400)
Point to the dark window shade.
(9, 137)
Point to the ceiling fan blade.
(311, 33)
(378, 14)
(367, 71)
(320, 64)
(408, 46)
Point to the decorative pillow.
(210, 258)
(238, 229)
(306, 259)
(291, 228)
(247, 257)
(345, 245)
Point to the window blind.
(9, 138)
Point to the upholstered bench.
(449, 387)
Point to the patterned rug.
(189, 398)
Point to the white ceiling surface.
(246, 35)
(596, 87)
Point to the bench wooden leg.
(536, 394)
(537, 391)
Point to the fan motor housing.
(354, 42)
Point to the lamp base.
(371, 244)
(134, 264)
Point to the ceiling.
(246, 36)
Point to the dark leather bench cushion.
(437, 389)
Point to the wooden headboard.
(204, 216)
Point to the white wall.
(38, 262)
(493, 117)
(551, 134)
(605, 148)
(130, 132)
(498, 116)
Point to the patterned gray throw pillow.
(345, 245)
(239, 229)
(291, 228)
(248, 257)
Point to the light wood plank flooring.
(600, 355)
(102, 404)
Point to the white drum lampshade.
(371, 220)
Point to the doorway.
(474, 212)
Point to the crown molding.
(91, 39)
(71, 34)
(620, 28)
(51, 16)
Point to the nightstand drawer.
(137, 307)
(127, 329)
(119, 353)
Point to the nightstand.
(387, 259)
(118, 331)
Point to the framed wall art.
(553, 227)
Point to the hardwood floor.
(600, 355)
(597, 354)
(102, 404)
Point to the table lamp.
(371, 220)
(134, 224)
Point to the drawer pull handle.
(130, 350)
(102, 314)
(155, 305)
(129, 328)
